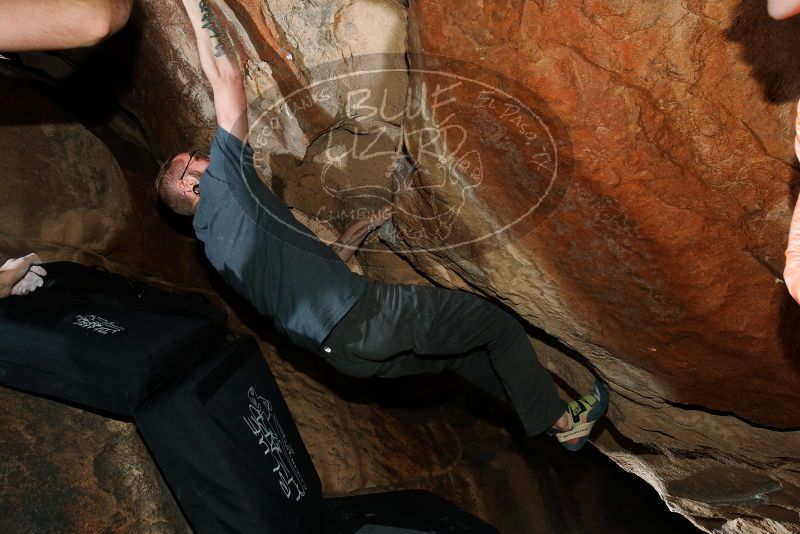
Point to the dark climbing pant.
(401, 329)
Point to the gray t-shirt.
(264, 253)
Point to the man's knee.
(501, 319)
(486, 314)
(507, 329)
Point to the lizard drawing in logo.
(456, 175)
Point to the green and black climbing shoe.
(584, 413)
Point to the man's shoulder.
(225, 144)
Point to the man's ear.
(189, 184)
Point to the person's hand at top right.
(783, 9)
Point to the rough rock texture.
(618, 173)
(43, 155)
(618, 176)
(289, 53)
(66, 470)
(663, 252)
(77, 198)
(660, 264)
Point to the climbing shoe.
(584, 413)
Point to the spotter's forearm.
(49, 25)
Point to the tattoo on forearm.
(211, 24)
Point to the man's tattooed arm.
(209, 30)
(220, 65)
(210, 23)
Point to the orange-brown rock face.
(660, 258)
(616, 172)
(665, 249)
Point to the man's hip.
(386, 319)
(390, 320)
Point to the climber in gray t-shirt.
(250, 236)
(264, 253)
(360, 327)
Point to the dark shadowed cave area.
(653, 260)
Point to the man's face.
(180, 189)
(783, 9)
(192, 166)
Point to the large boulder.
(663, 253)
(641, 222)
(75, 197)
(66, 470)
(63, 186)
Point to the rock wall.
(73, 197)
(82, 211)
(84, 193)
(660, 263)
(618, 173)
(664, 251)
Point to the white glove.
(31, 281)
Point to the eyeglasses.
(191, 157)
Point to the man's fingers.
(33, 258)
(23, 262)
(29, 283)
(13, 263)
(38, 269)
(20, 288)
(783, 9)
